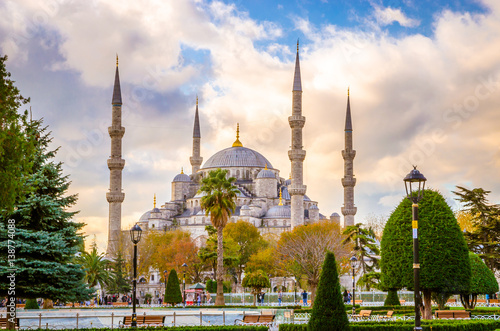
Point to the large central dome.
(237, 156)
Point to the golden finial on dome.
(237, 142)
(290, 176)
(281, 199)
(154, 201)
(265, 167)
(117, 59)
(182, 170)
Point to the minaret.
(297, 155)
(115, 195)
(348, 181)
(196, 159)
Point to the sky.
(424, 80)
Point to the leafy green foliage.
(256, 280)
(483, 281)
(119, 283)
(46, 237)
(444, 262)
(328, 311)
(392, 298)
(96, 267)
(31, 304)
(173, 293)
(17, 140)
(365, 247)
(485, 217)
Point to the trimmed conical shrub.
(328, 311)
(173, 293)
(392, 298)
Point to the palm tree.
(218, 202)
(96, 267)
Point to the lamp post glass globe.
(415, 185)
(135, 234)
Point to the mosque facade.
(272, 203)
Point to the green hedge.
(189, 328)
(435, 325)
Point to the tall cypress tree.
(328, 311)
(45, 238)
(444, 257)
(173, 291)
(119, 284)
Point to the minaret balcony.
(116, 131)
(116, 163)
(297, 155)
(349, 154)
(349, 211)
(296, 121)
(115, 197)
(196, 160)
(297, 189)
(348, 181)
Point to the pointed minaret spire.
(349, 210)
(297, 154)
(196, 159)
(348, 121)
(117, 93)
(115, 196)
(297, 82)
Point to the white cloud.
(387, 16)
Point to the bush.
(190, 328)
(31, 304)
(173, 291)
(328, 311)
(392, 298)
(211, 286)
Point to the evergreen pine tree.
(46, 240)
(328, 311)
(173, 291)
(120, 284)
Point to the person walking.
(304, 297)
(280, 297)
(262, 297)
(349, 297)
(344, 295)
(199, 300)
(209, 298)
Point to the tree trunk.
(468, 300)
(219, 299)
(427, 312)
(313, 287)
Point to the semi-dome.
(182, 177)
(279, 212)
(334, 215)
(237, 157)
(266, 173)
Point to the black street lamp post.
(354, 262)
(135, 236)
(184, 266)
(294, 291)
(415, 185)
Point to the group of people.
(347, 296)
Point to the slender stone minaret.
(297, 189)
(348, 181)
(196, 159)
(115, 195)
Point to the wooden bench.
(120, 304)
(455, 314)
(388, 315)
(363, 314)
(20, 305)
(402, 302)
(256, 320)
(144, 320)
(3, 323)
